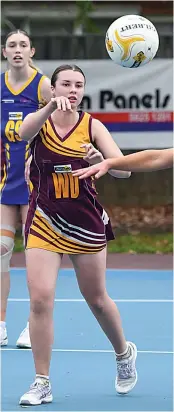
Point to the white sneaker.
(126, 371)
(3, 336)
(40, 392)
(24, 338)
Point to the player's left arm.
(45, 90)
(144, 161)
(107, 146)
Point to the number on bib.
(11, 130)
(65, 185)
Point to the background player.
(22, 89)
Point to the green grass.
(141, 243)
(18, 243)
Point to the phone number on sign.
(150, 117)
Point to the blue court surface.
(83, 364)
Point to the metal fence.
(91, 46)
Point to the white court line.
(107, 269)
(154, 352)
(115, 300)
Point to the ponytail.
(31, 64)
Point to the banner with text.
(136, 105)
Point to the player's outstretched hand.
(97, 171)
(61, 103)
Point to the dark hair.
(31, 45)
(64, 67)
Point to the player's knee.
(6, 247)
(41, 303)
(96, 302)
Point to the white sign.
(135, 104)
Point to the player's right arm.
(33, 123)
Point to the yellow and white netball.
(132, 41)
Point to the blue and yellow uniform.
(3, 167)
(15, 106)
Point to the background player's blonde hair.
(32, 65)
(30, 62)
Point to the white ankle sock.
(42, 377)
(2, 324)
(124, 354)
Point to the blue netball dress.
(15, 105)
